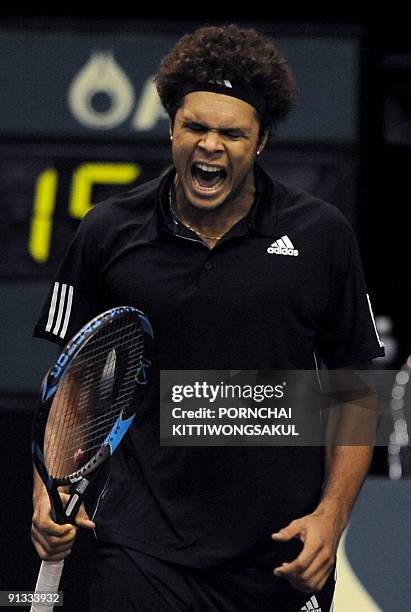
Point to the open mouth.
(207, 177)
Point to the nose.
(211, 142)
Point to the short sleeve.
(348, 333)
(74, 295)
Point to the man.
(235, 271)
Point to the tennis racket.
(88, 403)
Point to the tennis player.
(235, 271)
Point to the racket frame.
(79, 480)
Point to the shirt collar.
(263, 213)
(160, 222)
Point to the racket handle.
(48, 582)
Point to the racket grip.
(48, 582)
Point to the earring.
(258, 152)
(171, 137)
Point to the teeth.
(208, 168)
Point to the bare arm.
(350, 436)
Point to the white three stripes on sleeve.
(62, 305)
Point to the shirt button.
(208, 265)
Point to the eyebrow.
(233, 129)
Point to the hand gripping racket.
(88, 402)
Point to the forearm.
(38, 487)
(65, 396)
(347, 467)
(349, 441)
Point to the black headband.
(227, 88)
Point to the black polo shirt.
(282, 289)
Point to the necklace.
(177, 218)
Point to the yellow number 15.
(84, 177)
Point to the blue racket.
(88, 402)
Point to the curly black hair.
(242, 55)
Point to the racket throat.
(62, 515)
(76, 498)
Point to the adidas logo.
(282, 246)
(224, 82)
(311, 604)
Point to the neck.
(213, 224)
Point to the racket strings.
(107, 377)
(80, 439)
(97, 387)
(117, 406)
(98, 425)
(105, 389)
(101, 425)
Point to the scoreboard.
(45, 195)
